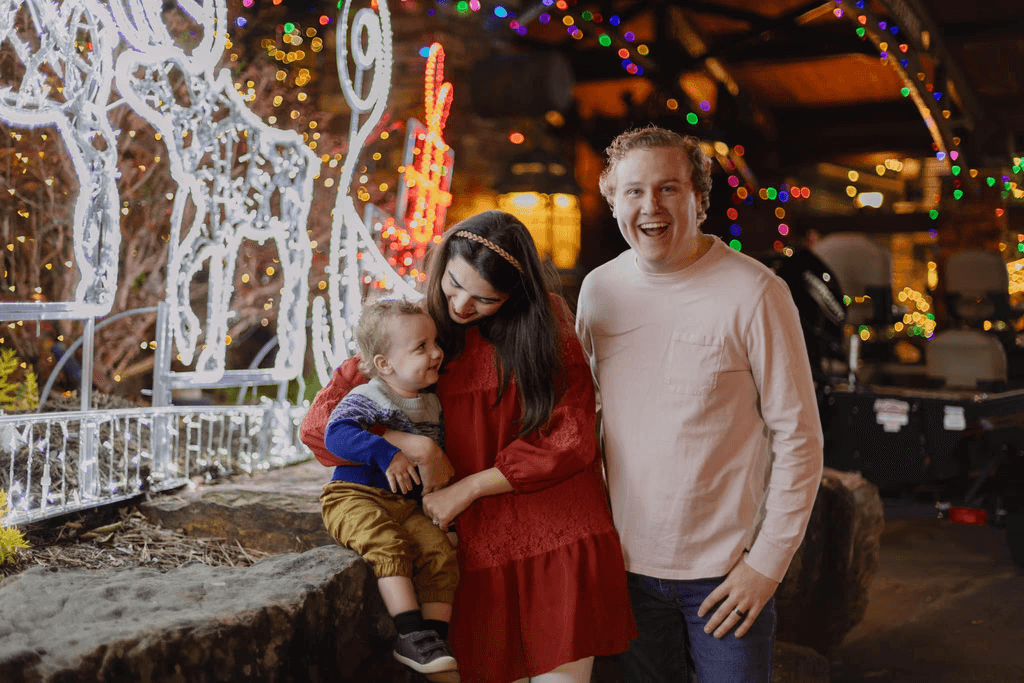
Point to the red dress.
(542, 576)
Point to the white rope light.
(74, 39)
(350, 236)
(207, 140)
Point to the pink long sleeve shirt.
(712, 440)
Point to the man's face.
(656, 208)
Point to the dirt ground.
(947, 604)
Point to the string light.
(80, 118)
(272, 202)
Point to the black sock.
(437, 625)
(407, 622)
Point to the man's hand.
(444, 505)
(401, 473)
(743, 594)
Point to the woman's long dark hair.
(525, 330)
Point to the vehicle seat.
(864, 268)
(977, 286)
(966, 359)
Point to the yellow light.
(853, 176)
(780, 213)
(851, 191)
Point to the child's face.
(412, 362)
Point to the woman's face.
(470, 297)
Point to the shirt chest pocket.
(693, 363)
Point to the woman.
(543, 585)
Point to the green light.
(860, 31)
(957, 194)
(930, 316)
(846, 300)
(691, 119)
(1016, 169)
(933, 214)
(862, 328)
(991, 181)
(955, 170)
(1020, 247)
(1007, 186)
(605, 40)
(735, 244)
(289, 27)
(587, 16)
(772, 193)
(463, 6)
(905, 92)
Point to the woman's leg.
(570, 672)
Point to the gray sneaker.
(425, 652)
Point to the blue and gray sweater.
(375, 403)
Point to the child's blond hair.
(372, 332)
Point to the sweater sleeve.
(345, 377)
(568, 444)
(782, 373)
(348, 439)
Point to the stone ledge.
(307, 617)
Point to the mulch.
(100, 540)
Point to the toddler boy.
(371, 504)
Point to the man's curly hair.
(652, 137)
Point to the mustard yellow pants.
(394, 535)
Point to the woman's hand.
(401, 474)
(444, 505)
(435, 468)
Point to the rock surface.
(825, 592)
(314, 616)
(276, 511)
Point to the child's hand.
(401, 473)
(436, 472)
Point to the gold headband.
(492, 246)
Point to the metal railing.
(55, 463)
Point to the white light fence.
(55, 463)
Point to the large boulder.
(277, 511)
(825, 592)
(315, 616)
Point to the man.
(712, 440)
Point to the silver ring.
(741, 615)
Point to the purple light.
(548, 3)
(521, 30)
(882, 25)
(883, 55)
(940, 155)
(628, 35)
(544, 18)
(705, 106)
(240, 21)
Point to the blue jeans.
(672, 646)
